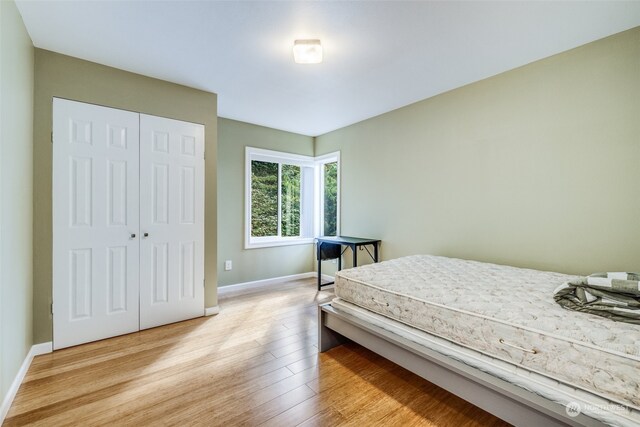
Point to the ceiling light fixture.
(307, 51)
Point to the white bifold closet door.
(95, 222)
(128, 222)
(171, 221)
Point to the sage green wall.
(16, 191)
(536, 167)
(66, 77)
(262, 263)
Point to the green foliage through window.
(290, 194)
(264, 199)
(330, 198)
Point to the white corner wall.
(16, 196)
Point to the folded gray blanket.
(615, 296)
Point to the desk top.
(345, 240)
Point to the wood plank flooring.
(255, 363)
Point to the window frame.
(280, 158)
(313, 204)
(319, 192)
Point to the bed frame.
(498, 397)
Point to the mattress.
(504, 312)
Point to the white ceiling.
(378, 56)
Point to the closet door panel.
(95, 212)
(171, 221)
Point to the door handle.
(146, 234)
(133, 235)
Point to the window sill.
(273, 243)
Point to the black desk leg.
(354, 249)
(319, 266)
(375, 252)
(340, 259)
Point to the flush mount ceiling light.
(307, 51)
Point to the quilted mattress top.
(516, 296)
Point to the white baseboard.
(210, 311)
(43, 348)
(256, 284)
(326, 277)
(35, 350)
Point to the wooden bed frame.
(498, 397)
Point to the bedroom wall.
(536, 167)
(16, 190)
(66, 77)
(260, 263)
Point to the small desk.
(351, 242)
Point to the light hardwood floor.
(255, 363)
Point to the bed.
(493, 335)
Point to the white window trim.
(260, 154)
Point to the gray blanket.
(612, 295)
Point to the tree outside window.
(330, 199)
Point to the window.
(290, 198)
(264, 196)
(328, 167)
